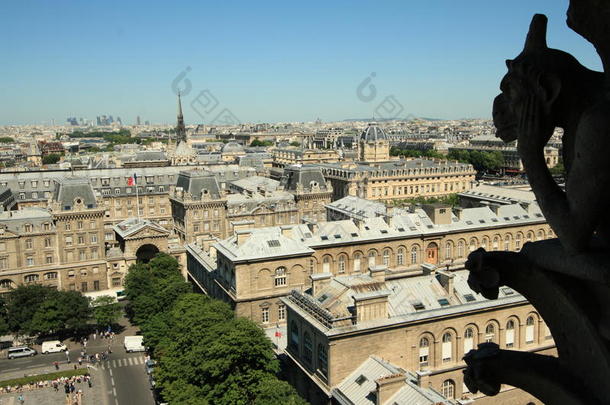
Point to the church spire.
(180, 128)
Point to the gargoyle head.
(537, 71)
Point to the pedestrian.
(85, 343)
(72, 387)
(55, 386)
(21, 399)
(95, 335)
(56, 364)
(67, 355)
(80, 361)
(89, 381)
(67, 388)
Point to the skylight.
(443, 302)
(418, 305)
(469, 297)
(361, 380)
(324, 237)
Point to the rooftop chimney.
(423, 379)
(377, 272)
(286, 231)
(319, 281)
(371, 305)
(446, 280)
(242, 236)
(388, 386)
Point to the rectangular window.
(29, 261)
(81, 239)
(281, 312)
(116, 282)
(93, 238)
(82, 255)
(83, 286)
(49, 259)
(68, 240)
(265, 315)
(96, 285)
(3, 263)
(510, 338)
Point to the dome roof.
(373, 133)
(232, 147)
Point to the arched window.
(460, 249)
(507, 243)
(386, 257)
(518, 242)
(326, 264)
(447, 348)
(529, 330)
(496, 243)
(50, 276)
(307, 347)
(372, 256)
(490, 333)
(530, 236)
(448, 389)
(294, 335)
(510, 333)
(414, 255)
(341, 264)
(424, 351)
(468, 340)
(473, 244)
(400, 257)
(485, 242)
(448, 250)
(30, 278)
(540, 235)
(322, 359)
(280, 276)
(357, 262)
(6, 284)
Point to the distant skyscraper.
(146, 122)
(138, 120)
(180, 128)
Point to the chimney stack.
(388, 386)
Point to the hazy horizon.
(268, 62)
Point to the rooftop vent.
(273, 243)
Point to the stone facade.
(255, 267)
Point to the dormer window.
(28, 227)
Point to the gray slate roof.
(69, 191)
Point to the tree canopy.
(480, 160)
(106, 310)
(51, 158)
(35, 309)
(205, 355)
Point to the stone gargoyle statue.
(566, 279)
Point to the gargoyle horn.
(536, 37)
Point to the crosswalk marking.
(126, 362)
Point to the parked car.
(149, 366)
(52, 346)
(134, 344)
(20, 351)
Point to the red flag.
(130, 181)
(278, 333)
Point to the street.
(123, 377)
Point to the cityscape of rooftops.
(262, 203)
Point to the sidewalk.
(47, 396)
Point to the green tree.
(106, 310)
(271, 391)
(6, 139)
(51, 158)
(258, 142)
(4, 329)
(295, 143)
(22, 304)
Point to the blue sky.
(264, 61)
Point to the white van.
(134, 344)
(52, 346)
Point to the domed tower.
(373, 145)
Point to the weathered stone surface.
(567, 280)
